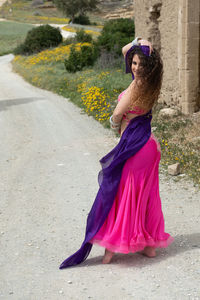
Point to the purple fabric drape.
(133, 139)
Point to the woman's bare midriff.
(125, 123)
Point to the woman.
(126, 215)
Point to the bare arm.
(124, 104)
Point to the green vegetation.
(177, 137)
(25, 11)
(73, 7)
(77, 60)
(83, 37)
(11, 35)
(38, 39)
(115, 34)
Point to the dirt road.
(49, 164)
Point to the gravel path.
(49, 165)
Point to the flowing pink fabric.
(135, 220)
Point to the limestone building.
(174, 28)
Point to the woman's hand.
(142, 42)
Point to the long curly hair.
(148, 82)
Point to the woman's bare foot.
(107, 257)
(149, 252)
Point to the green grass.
(23, 11)
(11, 35)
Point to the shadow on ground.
(5, 104)
(182, 243)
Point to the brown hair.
(148, 83)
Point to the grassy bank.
(24, 11)
(11, 35)
(95, 90)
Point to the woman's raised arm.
(136, 42)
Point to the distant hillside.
(116, 9)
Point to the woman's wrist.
(135, 42)
(114, 125)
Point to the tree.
(73, 7)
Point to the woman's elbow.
(124, 51)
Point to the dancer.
(126, 215)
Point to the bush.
(38, 39)
(83, 37)
(73, 63)
(69, 41)
(79, 59)
(115, 34)
(82, 19)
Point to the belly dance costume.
(135, 220)
(126, 215)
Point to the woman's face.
(135, 64)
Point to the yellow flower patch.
(95, 102)
(68, 28)
(49, 19)
(92, 32)
(49, 56)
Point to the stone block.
(193, 11)
(192, 83)
(192, 31)
(188, 108)
(174, 169)
(192, 62)
(169, 112)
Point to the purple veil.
(133, 139)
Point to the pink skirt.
(135, 220)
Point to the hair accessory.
(145, 50)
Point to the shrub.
(40, 38)
(83, 37)
(115, 34)
(87, 56)
(82, 19)
(69, 41)
(73, 63)
(79, 59)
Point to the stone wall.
(173, 27)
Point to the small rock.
(60, 292)
(168, 112)
(69, 282)
(174, 169)
(153, 129)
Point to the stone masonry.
(173, 27)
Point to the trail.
(49, 164)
